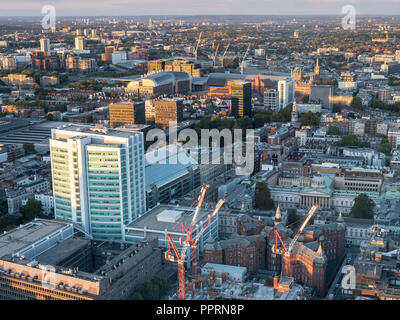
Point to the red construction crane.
(188, 240)
(285, 251)
(180, 257)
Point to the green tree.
(244, 123)
(334, 131)
(262, 195)
(356, 103)
(29, 148)
(378, 104)
(350, 141)
(363, 207)
(292, 218)
(7, 223)
(260, 118)
(385, 146)
(33, 209)
(309, 119)
(137, 296)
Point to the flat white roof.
(224, 268)
(169, 216)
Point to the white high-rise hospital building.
(98, 178)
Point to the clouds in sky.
(193, 7)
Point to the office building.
(45, 45)
(170, 173)
(286, 92)
(168, 82)
(80, 43)
(241, 99)
(76, 63)
(107, 55)
(322, 94)
(167, 111)
(271, 99)
(178, 65)
(80, 269)
(98, 178)
(127, 113)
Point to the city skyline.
(180, 7)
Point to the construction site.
(227, 281)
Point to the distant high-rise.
(271, 99)
(44, 45)
(150, 23)
(286, 92)
(127, 113)
(80, 43)
(241, 99)
(98, 178)
(167, 111)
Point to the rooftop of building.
(27, 234)
(57, 254)
(150, 221)
(81, 130)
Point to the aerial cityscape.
(200, 153)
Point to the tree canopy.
(29, 148)
(363, 207)
(292, 218)
(33, 209)
(356, 103)
(309, 119)
(263, 199)
(351, 141)
(334, 131)
(151, 290)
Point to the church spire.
(317, 69)
(278, 217)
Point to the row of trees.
(258, 120)
(351, 141)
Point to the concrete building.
(110, 271)
(80, 43)
(168, 111)
(322, 94)
(34, 238)
(124, 113)
(306, 107)
(286, 90)
(271, 100)
(178, 65)
(161, 83)
(98, 178)
(45, 45)
(170, 173)
(162, 219)
(232, 273)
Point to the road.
(351, 253)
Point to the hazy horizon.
(93, 8)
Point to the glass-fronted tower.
(98, 178)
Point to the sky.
(195, 7)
